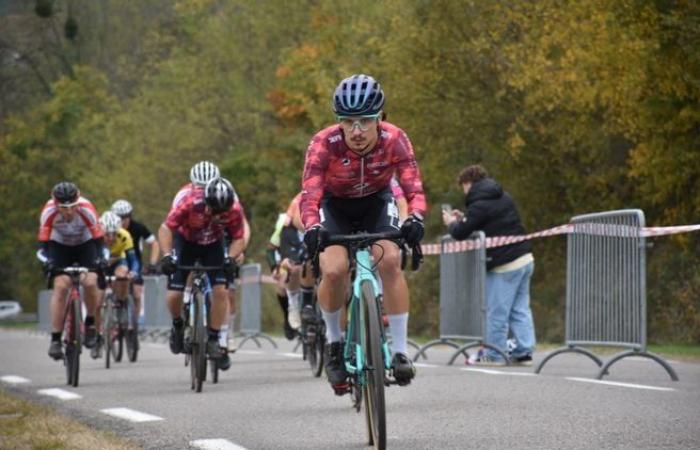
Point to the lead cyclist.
(346, 188)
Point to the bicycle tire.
(132, 336)
(199, 354)
(118, 351)
(214, 369)
(316, 349)
(107, 329)
(73, 347)
(373, 390)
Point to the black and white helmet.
(111, 223)
(122, 208)
(219, 195)
(203, 172)
(358, 95)
(65, 193)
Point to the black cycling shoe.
(90, 336)
(402, 368)
(96, 351)
(224, 362)
(335, 367)
(176, 338)
(213, 349)
(289, 332)
(56, 350)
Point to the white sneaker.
(293, 316)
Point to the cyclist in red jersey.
(346, 188)
(70, 233)
(195, 230)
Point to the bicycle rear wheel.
(373, 389)
(316, 345)
(118, 350)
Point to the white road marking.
(14, 379)
(498, 372)
(215, 444)
(291, 355)
(60, 394)
(617, 383)
(130, 415)
(250, 352)
(425, 365)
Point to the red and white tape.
(583, 228)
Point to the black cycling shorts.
(208, 255)
(291, 244)
(376, 213)
(83, 255)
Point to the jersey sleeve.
(88, 213)
(312, 181)
(409, 176)
(177, 215)
(48, 215)
(234, 223)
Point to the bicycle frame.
(356, 319)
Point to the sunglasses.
(348, 123)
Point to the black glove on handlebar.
(312, 239)
(412, 230)
(229, 266)
(168, 264)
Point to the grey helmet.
(122, 208)
(358, 95)
(202, 172)
(219, 195)
(110, 221)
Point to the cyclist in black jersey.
(141, 235)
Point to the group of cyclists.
(360, 175)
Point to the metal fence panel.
(606, 287)
(251, 294)
(43, 310)
(156, 314)
(463, 290)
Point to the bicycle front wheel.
(73, 344)
(132, 337)
(373, 390)
(107, 324)
(199, 345)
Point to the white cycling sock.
(293, 298)
(398, 326)
(223, 335)
(332, 319)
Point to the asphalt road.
(269, 400)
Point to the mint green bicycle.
(366, 352)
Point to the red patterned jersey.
(332, 167)
(191, 219)
(396, 189)
(83, 227)
(182, 193)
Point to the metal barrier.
(43, 309)
(157, 320)
(606, 288)
(251, 309)
(462, 299)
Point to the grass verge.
(24, 425)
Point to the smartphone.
(446, 207)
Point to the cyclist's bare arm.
(165, 239)
(237, 247)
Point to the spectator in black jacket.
(509, 267)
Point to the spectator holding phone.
(509, 268)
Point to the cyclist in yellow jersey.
(123, 263)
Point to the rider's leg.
(218, 316)
(138, 295)
(293, 295)
(307, 293)
(121, 287)
(396, 300)
(61, 284)
(333, 289)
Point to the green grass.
(25, 425)
(19, 325)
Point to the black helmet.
(219, 195)
(65, 193)
(358, 95)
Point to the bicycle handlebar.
(361, 239)
(199, 267)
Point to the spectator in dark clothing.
(509, 267)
